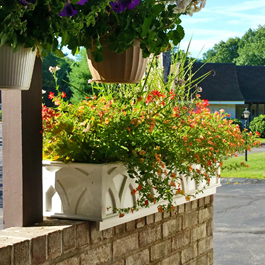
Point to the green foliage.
(48, 81)
(79, 77)
(0, 115)
(249, 50)
(154, 23)
(258, 125)
(223, 52)
(152, 127)
(39, 25)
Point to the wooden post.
(22, 153)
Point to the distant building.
(233, 88)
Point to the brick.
(212, 198)
(205, 245)
(172, 226)
(181, 208)
(202, 260)
(150, 235)
(120, 229)
(150, 219)
(190, 219)
(54, 244)
(194, 205)
(172, 260)
(210, 257)
(198, 232)
(141, 258)
(192, 262)
(201, 202)
(21, 253)
(209, 228)
(71, 261)
(108, 233)
(160, 250)
(97, 255)
(205, 214)
(174, 212)
(158, 217)
(38, 246)
(187, 206)
(125, 245)
(189, 253)
(140, 222)
(5, 255)
(181, 240)
(130, 226)
(69, 239)
(207, 200)
(96, 236)
(82, 235)
(166, 214)
(119, 262)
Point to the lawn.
(255, 170)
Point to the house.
(233, 88)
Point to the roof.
(222, 84)
(252, 83)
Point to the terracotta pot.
(16, 68)
(127, 67)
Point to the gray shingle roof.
(222, 84)
(252, 83)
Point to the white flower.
(189, 6)
(53, 69)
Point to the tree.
(48, 83)
(249, 50)
(223, 52)
(79, 77)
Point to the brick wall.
(182, 237)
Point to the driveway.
(239, 222)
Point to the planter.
(127, 67)
(85, 191)
(16, 68)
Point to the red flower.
(257, 133)
(146, 202)
(63, 95)
(51, 95)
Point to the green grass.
(256, 169)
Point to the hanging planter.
(127, 67)
(16, 68)
(91, 192)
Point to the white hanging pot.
(16, 68)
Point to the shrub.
(258, 125)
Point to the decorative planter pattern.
(127, 67)
(85, 191)
(16, 68)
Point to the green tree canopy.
(249, 50)
(79, 77)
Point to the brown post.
(22, 153)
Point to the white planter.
(85, 191)
(16, 68)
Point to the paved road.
(239, 222)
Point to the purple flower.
(68, 10)
(81, 2)
(25, 3)
(120, 5)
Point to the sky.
(221, 20)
